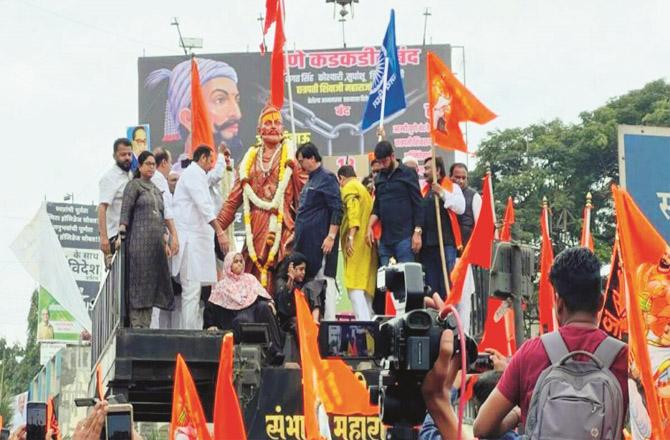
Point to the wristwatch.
(418, 230)
(331, 236)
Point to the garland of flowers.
(275, 206)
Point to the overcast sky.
(68, 85)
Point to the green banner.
(54, 323)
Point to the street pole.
(516, 267)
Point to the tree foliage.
(566, 161)
(19, 364)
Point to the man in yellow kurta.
(360, 260)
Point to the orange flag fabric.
(587, 237)
(188, 417)
(228, 420)
(201, 127)
(508, 221)
(450, 103)
(499, 327)
(328, 385)
(275, 13)
(548, 321)
(478, 250)
(52, 421)
(613, 317)
(646, 266)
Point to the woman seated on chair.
(240, 298)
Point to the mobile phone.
(348, 339)
(85, 401)
(482, 364)
(36, 420)
(4, 434)
(119, 422)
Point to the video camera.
(406, 346)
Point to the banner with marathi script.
(76, 226)
(54, 323)
(276, 411)
(330, 89)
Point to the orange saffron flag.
(188, 417)
(328, 385)
(275, 14)
(450, 103)
(645, 257)
(547, 306)
(587, 237)
(52, 421)
(478, 250)
(201, 127)
(508, 221)
(499, 327)
(228, 420)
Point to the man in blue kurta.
(318, 220)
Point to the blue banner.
(389, 67)
(644, 159)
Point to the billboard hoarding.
(330, 90)
(644, 161)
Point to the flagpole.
(384, 82)
(436, 197)
(288, 74)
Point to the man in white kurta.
(195, 219)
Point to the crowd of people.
(184, 270)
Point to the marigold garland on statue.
(274, 206)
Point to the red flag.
(548, 322)
(499, 327)
(271, 7)
(646, 267)
(52, 421)
(508, 221)
(470, 386)
(587, 237)
(478, 250)
(450, 103)
(277, 62)
(188, 418)
(328, 386)
(201, 127)
(98, 382)
(389, 308)
(228, 421)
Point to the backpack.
(576, 399)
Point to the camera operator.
(437, 388)
(575, 275)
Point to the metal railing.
(109, 310)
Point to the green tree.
(564, 162)
(18, 364)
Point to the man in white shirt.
(452, 201)
(195, 219)
(473, 205)
(111, 187)
(165, 318)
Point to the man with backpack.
(569, 384)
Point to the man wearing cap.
(397, 206)
(219, 88)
